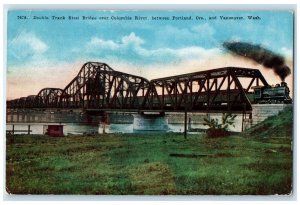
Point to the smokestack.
(260, 55)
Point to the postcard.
(136, 102)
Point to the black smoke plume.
(260, 55)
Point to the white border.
(160, 5)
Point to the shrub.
(219, 129)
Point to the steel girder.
(13, 103)
(30, 101)
(98, 86)
(117, 91)
(73, 94)
(48, 98)
(219, 89)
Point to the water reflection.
(78, 128)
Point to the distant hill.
(280, 125)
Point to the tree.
(219, 129)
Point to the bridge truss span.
(213, 90)
(46, 98)
(98, 87)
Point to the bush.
(214, 133)
(219, 129)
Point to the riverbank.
(148, 164)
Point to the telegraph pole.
(185, 112)
(185, 123)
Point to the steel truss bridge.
(98, 87)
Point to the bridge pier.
(263, 111)
(150, 122)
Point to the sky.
(43, 51)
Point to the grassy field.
(153, 164)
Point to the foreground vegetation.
(151, 164)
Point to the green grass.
(280, 125)
(256, 163)
(135, 164)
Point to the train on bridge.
(278, 94)
(98, 87)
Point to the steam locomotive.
(280, 93)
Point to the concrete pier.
(150, 122)
(261, 112)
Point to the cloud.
(132, 39)
(101, 44)
(287, 53)
(131, 48)
(26, 46)
(97, 42)
(204, 29)
(181, 54)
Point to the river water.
(122, 124)
(77, 128)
